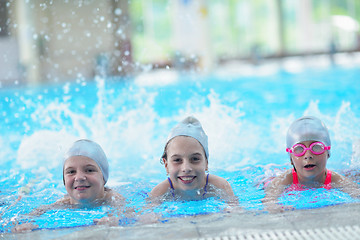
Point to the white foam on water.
(44, 148)
(133, 136)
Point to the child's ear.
(165, 162)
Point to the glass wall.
(240, 28)
(151, 30)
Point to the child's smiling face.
(186, 163)
(310, 167)
(84, 180)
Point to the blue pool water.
(245, 117)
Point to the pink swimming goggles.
(316, 148)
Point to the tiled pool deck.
(216, 226)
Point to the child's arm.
(146, 215)
(118, 203)
(274, 190)
(29, 225)
(227, 193)
(24, 227)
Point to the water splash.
(246, 120)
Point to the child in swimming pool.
(85, 173)
(186, 162)
(308, 144)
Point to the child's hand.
(108, 221)
(148, 218)
(236, 209)
(24, 227)
(277, 208)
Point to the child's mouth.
(309, 166)
(187, 180)
(80, 188)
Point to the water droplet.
(119, 31)
(118, 12)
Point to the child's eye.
(196, 158)
(90, 170)
(69, 172)
(177, 160)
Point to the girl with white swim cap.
(186, 162)
(308, 145)
(85, 173)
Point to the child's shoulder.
(218, 181)
(160, 189)
(221, 183)
(338, 179)
(62, 201)
(114, 197)
(284, 179)
(345, 184)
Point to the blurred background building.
(61, 40)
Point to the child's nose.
(186, 166)
(80, 176)
(308, 154)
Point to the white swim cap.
(191, 127)
(90, 149)
(307, 128)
